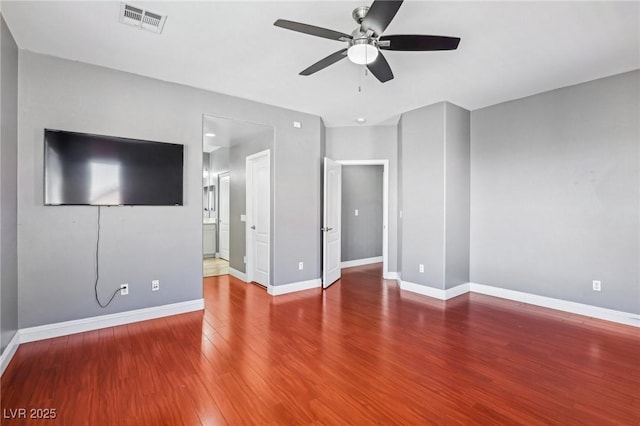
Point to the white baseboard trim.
(457, 290)
(237, 274)
(559, 304)
(277, 290)
(392, 276)
(435, 292)
(9, 352)
(360, 262)
(531, 299)
(65, 328)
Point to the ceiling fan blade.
(380, 69)
(380, 14)
(323, 63)
(312, 30)
(417, 43)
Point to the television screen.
(83, 169)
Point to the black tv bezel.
(116, 138)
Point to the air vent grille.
(142, 18)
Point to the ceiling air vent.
(142, 18)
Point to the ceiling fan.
(366, 41)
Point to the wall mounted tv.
(84, 169)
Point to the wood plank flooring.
(213, 266)
(363, 352)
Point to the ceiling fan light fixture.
(363, 51)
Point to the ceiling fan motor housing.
(359, 13)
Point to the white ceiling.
(508, 50)
(230, 132)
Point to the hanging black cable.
(98, 268)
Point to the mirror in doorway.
(226, 145)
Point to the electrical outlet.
(244, 259)
(421, 268)
(124, 289)
(155, 285)
(356, 212)
(301, 265)
(597, 286)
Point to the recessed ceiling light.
(361, 120)
(210, 134)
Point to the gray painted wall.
(139, 244)
(238, 195)
(400, 202)
(296, 214)
(457, 199)
(361, 190)
(423, 195)
(219, 160)
(8, 186)
(371, 143)
(435, 145)
(555, 193)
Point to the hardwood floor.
(362, 352)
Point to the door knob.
(253, 227)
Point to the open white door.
(331, 232)
(223, 226)
(258, 175)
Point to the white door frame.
(385, 206)
(249, 252)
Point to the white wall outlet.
(124, 289)
(597, 286)
(297, 124)
(301, 265)
(244, 259)
(356, 212)
(421, 268)
(243, 218)
(155, 285)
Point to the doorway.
(362, 228)
(361, 215)
(228, 146)
(213, 166)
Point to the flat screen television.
(84, 169)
